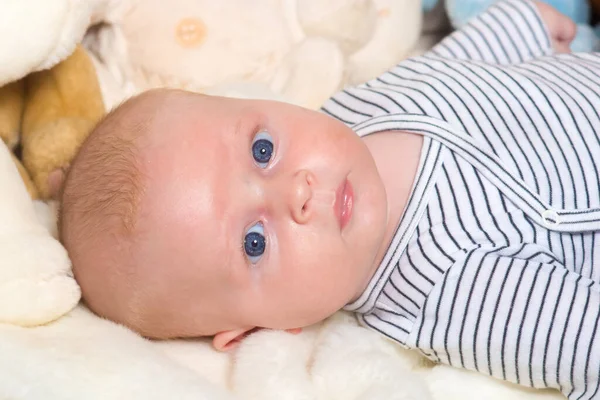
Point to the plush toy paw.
(311, 72)
(36, 286)
(347, 23)
(395, 34)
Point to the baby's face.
(255, 213)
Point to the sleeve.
(508, 32)
(531, 323)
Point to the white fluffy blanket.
(81, 356)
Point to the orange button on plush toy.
(190, 32)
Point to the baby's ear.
(228, 340)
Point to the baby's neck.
(397, 155)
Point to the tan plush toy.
(47, 115)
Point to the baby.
(453, 203)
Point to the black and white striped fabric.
(495, 265)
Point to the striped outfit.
(495, 264)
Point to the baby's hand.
(561, 28)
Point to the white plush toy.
(36, 35)
(301, 51)
(36, 284)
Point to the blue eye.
(262, 149)
(255, 242)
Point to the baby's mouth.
(344, 201)
(340, 200)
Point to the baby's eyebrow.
(239, 126)
(248, 123)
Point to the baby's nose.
(301, 192)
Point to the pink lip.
(344, 200)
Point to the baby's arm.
(532, 323)
(510, 31)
